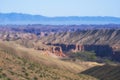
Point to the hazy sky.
(63, 7)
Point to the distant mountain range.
(19, 18)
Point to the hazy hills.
(19, 18)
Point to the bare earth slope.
(98, 36)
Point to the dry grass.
(17, 64)
(37, 56)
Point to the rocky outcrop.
(57, 50)
(69, 47)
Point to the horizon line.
(54, 16)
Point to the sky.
(62, 7)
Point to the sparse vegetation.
(13, 67)
(90, 56)
(86, 56)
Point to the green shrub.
(86, 56)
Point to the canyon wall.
(100, 50)
(69, 47)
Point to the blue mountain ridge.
(20, 18)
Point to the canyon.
(69, 52)
(104, 40)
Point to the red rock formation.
(69, 47)
(57, 50)
(79, 48)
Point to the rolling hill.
(21, 63)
